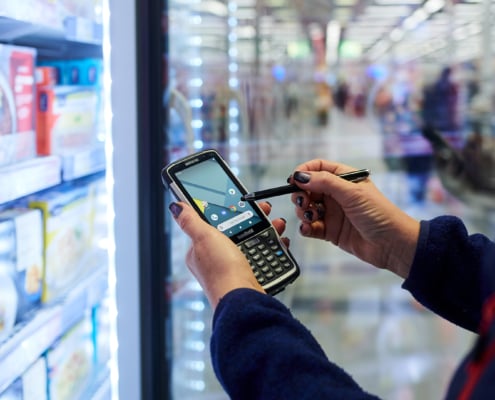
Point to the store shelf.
(30, 176)
(33, 338)
(79, 36)
(83, 163)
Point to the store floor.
(360, 315)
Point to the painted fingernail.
(299, 201)
(175, 209)
(289, 178)
(283, 219)
(302, 177)
(308, 215)
(320, 210)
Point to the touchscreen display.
(218, 198)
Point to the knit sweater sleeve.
(260, 351)
(448, 270)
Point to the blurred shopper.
(323, 102)
(260, 351)
(440, 107)
(341, 95)
(398, 108)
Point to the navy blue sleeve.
(449, 270)
(260, 351)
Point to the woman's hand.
(215, 261)
(357, 217)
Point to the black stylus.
(353, 176)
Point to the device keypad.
(267, 258)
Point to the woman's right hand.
(357, 217)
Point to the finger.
(279, 225)
(266, 207)
(328, 184)
(314, 230)
(189, 220)
(285, 241)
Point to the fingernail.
(267, 202)
(283, 219)
(289, 178)
(299, 201)
(302, 177)
(175, 209)
(308, 215)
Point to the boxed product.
(102, 333)
(83, 8)
(21, 253)
(79, 72)
(70, 363)
(31, 385)
(17, 105)
(68, 232)
(34, 381)
(8, 303)
(67, 119)
(13, 392)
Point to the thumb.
(189, 220)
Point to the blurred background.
(273, 83)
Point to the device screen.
(218, 197)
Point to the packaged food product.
(34, 381)
(77, 72)
(21, 254)
(17, 105)
(67, 119)
(8, 303)
(68, 231)
(70, 363)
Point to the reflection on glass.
(269, 91)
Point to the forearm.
(259, 351)
(447, 271)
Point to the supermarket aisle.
(360, 315)
(363, 319)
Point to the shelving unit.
(44, 326)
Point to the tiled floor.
(364, 321)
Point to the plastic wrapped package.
(70, 362)
(8, 303)
(68, 224)
(21, 253)
(17, 105)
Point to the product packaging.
(70, 363)
(67, 119)
(68, 232)
(78, 72)
(17, 105)
(101, 333)
(21, 254)
(34, 381)
(8, 303)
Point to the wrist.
(220, 288)
(404, 245)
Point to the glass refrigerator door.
(197, 119)
(207, 108)
(257, 80)
(57, 305)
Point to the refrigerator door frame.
(138, 60)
